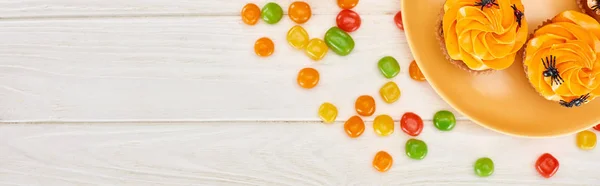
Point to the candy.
(444, 120)
(297, 37)
(339, 41)
(546, 165)
(308, 78)
(347, 4)
(348, 20)
(411, 124)
(299, 12)
(415, 72)
(365, 105)
(250, 14)
(597, 127)
(389, 92)
(271, 13)
(382, 161)
(328, 112)
(389, 67)
(398, 20)
(586, 140)
(484, 167)
(316, 49)
(354, 126)
(264, 47)
(383, 125)
(416, 149)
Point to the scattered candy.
(339, 41)
(389, 67)
(365, 105)
(390, 92)
(348, 20)
(347, 4)
(484, 167)
(411, 124)
(416, 149)
(316, 49)
(398, 20)
(415, 72)
(271, 13)
(546, 165)
(383, 125)
(354, 127)
(250, 14)
(597, 127)
(297, 37)
(308, 78)
(264, 47)
(586, 140)
(444, 120)
(299, 12)
(328, 112)
(382, 161)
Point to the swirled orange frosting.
(574, 39)
(487, 38)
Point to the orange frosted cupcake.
(482, 35)
(562, 59)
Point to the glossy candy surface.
(547, 165)
(264, 47)
(365, 105)
(339, 41)
(390, 92)
(383, 161)
(484, 167)
(415, 72)
(411, 124)
(398, 20)
(308, 78)
(348, 20)
(416, 149)
(586, 140)
(347, 4)
(354, 126)
(271, 13)
(297, 37)
(316, 49)
(389, 67)
(444, 120)
(299, 12)
(250, 14)
(597, 127)
(383, 125)
(328, 112)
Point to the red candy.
(411, 124)
(547, 165)
(348, 20)
(597, 127)
(398, 20)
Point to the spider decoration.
(596, 6)
(551, 71)
(519, 14)
(575, 102)
(488, 3)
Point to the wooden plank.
(199, 68)
(274, 153)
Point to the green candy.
(484, 167)
(416, 149)
(271, 13)
(444, 120)
(339, 41)
(389, 67)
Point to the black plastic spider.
(575, 102)
(519, 14)
(596, 6)
(487, 3)
(551, 71)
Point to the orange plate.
(503, 101)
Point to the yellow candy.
(586, 140)
(316, 49)
(297, 37)
(328, 112)
(383, 125)
(389, 92)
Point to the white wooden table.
(169, 92)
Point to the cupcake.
(562, 59)
(590, 7)
(482, 36)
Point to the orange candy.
(264, 47)
(382, 161)
(250, 14)
(299, 12)
(415, 72)
(354, 127)
(347, 4)
(308, 78)
(365, 105)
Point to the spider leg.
(496, 4)
(561, 79)
(543, 62)
(553, 62)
